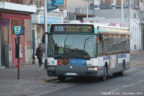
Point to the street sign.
(51, 7)
(22, 31)
(59, 2)
(17, 30)
(53, 4)
(51, 20)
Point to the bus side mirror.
(100, 36)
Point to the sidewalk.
(30, 82)
(137, 59)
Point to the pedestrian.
(39, 54)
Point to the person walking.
(39, 54)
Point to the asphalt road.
(131, 84)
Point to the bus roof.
(112, 29)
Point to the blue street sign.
(17, 30)
(59, 2)
(51, 5)
(51, 20)
(22, 31)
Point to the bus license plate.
(71, 74)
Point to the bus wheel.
(61, 78)
(104, 77)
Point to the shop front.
(8, 50)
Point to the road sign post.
(18, 31)
(49, 6)
(17, 43)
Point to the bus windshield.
(72, 46)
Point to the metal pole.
(18, 74)
(141, 40)
(46, 36)
(122, 14)
(0, 50)
(87, 9)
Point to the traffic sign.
(59, 2)
(22, 31)
(53, 4)
(17, 30)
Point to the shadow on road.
(87, 80)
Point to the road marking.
(126, 86)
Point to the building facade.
(15, 13)
(78, 9)
(137, 25)
(109, 12)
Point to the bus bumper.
(74, 71)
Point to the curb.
(49, 80)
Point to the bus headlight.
(93, 68)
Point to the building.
(109, 12)
(137, 25)
(15, 13)
(78, 9)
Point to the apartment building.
(109, 12)
(78, 9)
(15, 13)
(137, 25)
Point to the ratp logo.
(52, 62)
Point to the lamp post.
(87, 9)
(45, 32)
(122, 13)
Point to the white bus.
(87, 50)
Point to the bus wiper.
(82, 55)
(58, 56)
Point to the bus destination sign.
(67, 28)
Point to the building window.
(134, 15)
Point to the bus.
(76, 50)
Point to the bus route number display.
(72, 28)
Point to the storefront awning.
(15, 15)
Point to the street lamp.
(46, 37)
(122, 13)
(87, 9)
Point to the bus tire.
(61, 78)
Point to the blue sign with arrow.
(53, 4)
(59, 2)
